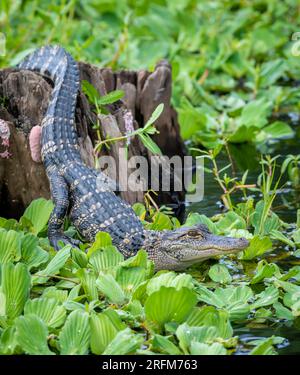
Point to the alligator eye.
(194, 233)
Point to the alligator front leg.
(59, 192)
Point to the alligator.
(93, 206)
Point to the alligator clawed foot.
(56, 239)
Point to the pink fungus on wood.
(35, 143)
(128, 119)
(4, 139)
(5, 154)
(4, 133)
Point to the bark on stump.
(24, 98)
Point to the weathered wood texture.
(24, 98)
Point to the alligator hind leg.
(59, 192)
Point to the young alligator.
(92, 207)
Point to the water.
(286, 205)
(245, 157)
(291, 333)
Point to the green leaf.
(236, 65)
(293, 273)
(111, 289)
(243, 134)
(103, 331)
(169, 304)
(32, 255)
(233, 299)
(276, 130)
(209, 297)
(15, 286)
(140, 292)
(264, 348)
(2, 304)
(38, 212)
(191, 119)
(140, 259)
(53, 267)
(125, 342)
(79, 257)
(264, 224)
(264, 270)
(229, 221)
(187, 334)
(90, 91)
(52, 292)
(199, 348)
(74, 338)
(102, 240)
(219, 273)
(296, 237)
(9, 224)
(160, 221)
(155, 115)
(111, 97)
(295, 305)
(139, 210)
(163, 345)
(169, 279)
(10, 246)
(282, 312)
(238, 311)
(276, 235)
(32, 335)
(255, 113)
(8, 341)
(271, 71)
(267, 297)
(135, 308)
(195, 218)
(88, 282)
(130, 278)
(47, 309)
(210, 316)
(150, 144)
(105, 259)
(262, 313)
(258, 246)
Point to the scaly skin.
(77, 190)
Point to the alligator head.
(182, 247)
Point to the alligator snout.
(242, 243)
(228, 244)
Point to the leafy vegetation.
(232, 61)
(143, 133)
(235, 71)
(78, 302)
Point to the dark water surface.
(286, 204)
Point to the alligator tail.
(59, 136)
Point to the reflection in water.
(245, 156)
(291, 333)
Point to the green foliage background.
(224, 54)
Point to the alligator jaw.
(189, 256)
(213, 246)
(180, 248)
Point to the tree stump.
(24, 98)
